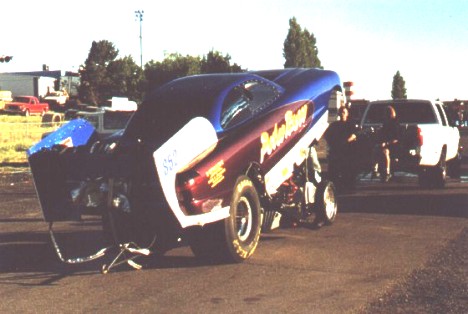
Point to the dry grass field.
(17, 134)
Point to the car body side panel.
(194, 138)
(264, 142)
(296, 155)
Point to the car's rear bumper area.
(408, 162)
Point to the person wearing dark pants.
(341, 137)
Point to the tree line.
(104, 75)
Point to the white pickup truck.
(57, 99)
(429, 140)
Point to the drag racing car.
(211, 159)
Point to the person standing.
(388, 142)
(340, 137)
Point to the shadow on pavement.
(427, 203)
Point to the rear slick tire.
(234, 239)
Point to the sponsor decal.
(245, 253)
(216, 174)
(292, 122)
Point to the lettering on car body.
(292, 122)
(216, 174)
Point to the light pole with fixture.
(139, 15)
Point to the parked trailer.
(18, 84)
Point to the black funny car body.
(213, 159)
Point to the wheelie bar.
(125, 250)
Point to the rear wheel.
(26, 113)
(434, 177)
(440, 172)
(235, 238)
(454, 167)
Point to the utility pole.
(139, 15)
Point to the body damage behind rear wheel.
(235, 238)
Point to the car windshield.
(407, 112)
(238, 109)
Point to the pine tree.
(300, 48)
(398, 87)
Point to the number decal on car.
(170, 162)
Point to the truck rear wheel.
(439, 172)
(454, 167)
(434, 177)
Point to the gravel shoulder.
(439, 287)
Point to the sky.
(364, 41)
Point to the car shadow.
(32, 253)
(29, 258)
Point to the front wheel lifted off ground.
(235, 238)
